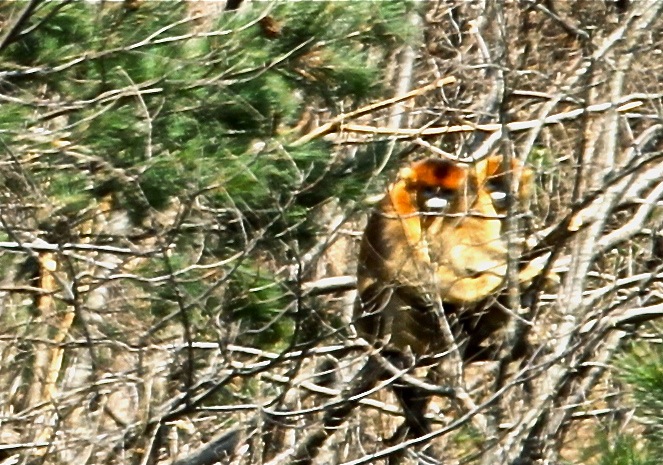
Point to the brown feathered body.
(437, 236)
(434, 248)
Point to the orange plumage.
(437, 236)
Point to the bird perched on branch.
(435, 249)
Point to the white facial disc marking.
(437, 203)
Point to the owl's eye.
(435, 198)
(437, 203)
(499, 194)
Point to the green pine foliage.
(642, 369)
(624, 449)
(259, 303)
(136, 106)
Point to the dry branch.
(623, 105)
(337, 123)
(220, 449)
